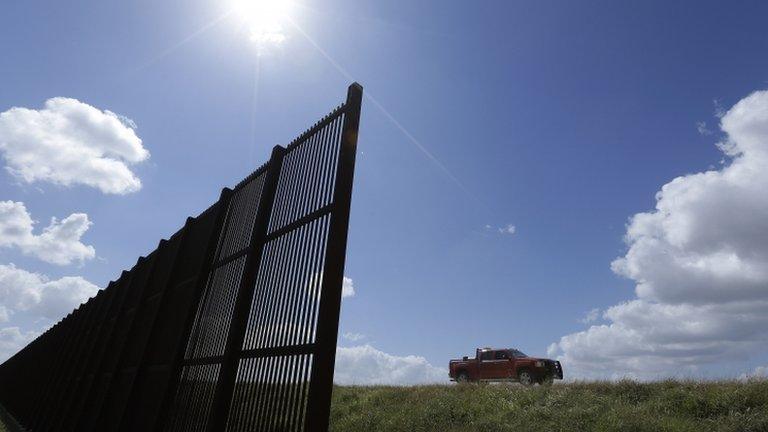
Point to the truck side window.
(486, 355)
(501, 355)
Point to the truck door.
(494, 365)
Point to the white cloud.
(12, 339)
(40, 296)
(719, 110)
(508, 229)
(365, 365)
(702, 128)
(347, 288)
(59, 243)
(69, 142)
(700, 264)
(591, 316)
(354, 337)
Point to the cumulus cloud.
(12, 339)
(69, 142)
(366, 365)
(59, 243)
(39, 296)
(700, 264)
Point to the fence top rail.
(320, 124)
(251, 176)
(328, 118)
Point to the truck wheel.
(462, 377)
(525, 378)
(547, 380)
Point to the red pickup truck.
(505, 364)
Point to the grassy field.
(624, 406)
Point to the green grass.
(595, 406)
(624, 406)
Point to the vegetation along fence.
(229, 325)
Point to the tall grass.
(590, 406)
(624, 406)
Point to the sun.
(264, 18)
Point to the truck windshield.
(517, 353)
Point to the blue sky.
(563, 119)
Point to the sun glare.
(264, 18)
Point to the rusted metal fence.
(229, 325)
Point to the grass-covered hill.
(597, 406)
(624, 406)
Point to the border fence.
(229, 325)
